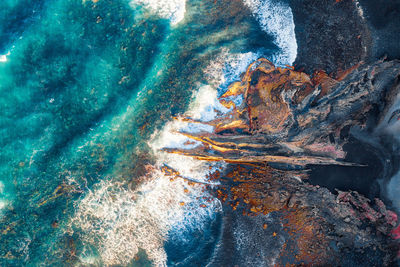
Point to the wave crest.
(276, 18)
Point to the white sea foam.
(228, 67)
(3, 204)
(3, 200)
(174, 10)
(119, 221)
(170, 138)
(206, 106)
(276, 18)
(3, 58)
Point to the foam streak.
(276, 18)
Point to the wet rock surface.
(331, 35)
(284, 221)
(288, 117)
(288, 122)
(383, 19)
(304, 148)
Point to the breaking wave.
(227, 67)
(276, 18)
(117, 221)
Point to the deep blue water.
(84, 87)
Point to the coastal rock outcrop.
(280, 122)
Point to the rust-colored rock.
(287, 121)
(288, 117)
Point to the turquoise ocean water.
(83, 87)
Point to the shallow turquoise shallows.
(83, 87)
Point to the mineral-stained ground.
(294, 121)
(308, 152)
(288, 122)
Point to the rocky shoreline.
(288, 122)
(337, 35)
(343, 86)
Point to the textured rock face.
(331, 34)
(383, 19)
(337, 34)
(291, 119)
(288, 117)
(288, 120)
(306, 224)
